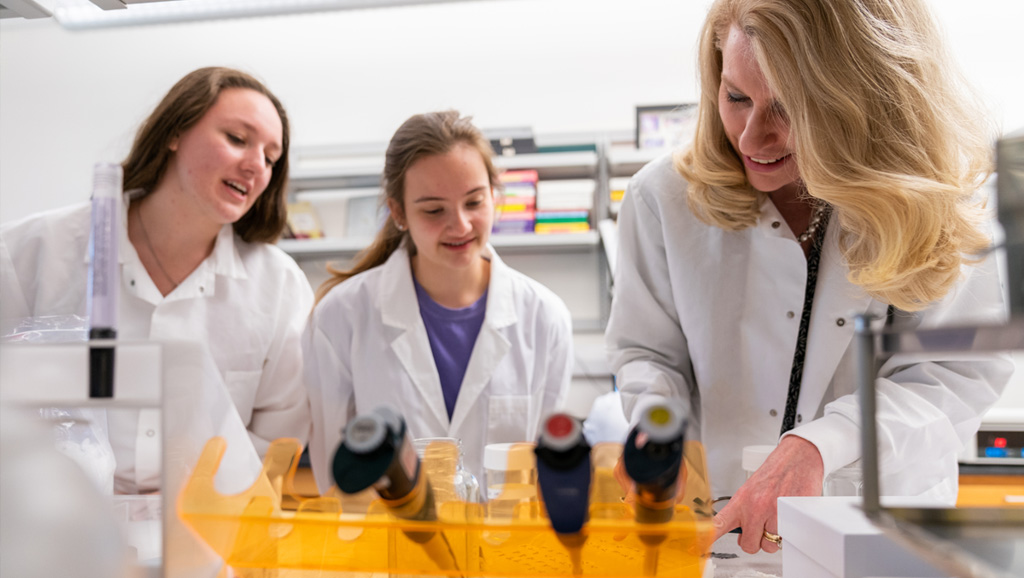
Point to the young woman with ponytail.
(430, 320)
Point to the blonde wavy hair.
(883, 126)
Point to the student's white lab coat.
(366, 346)
(247, 303)
(711, 316)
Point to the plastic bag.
(81, 434)
(46, 329)
(78, 433)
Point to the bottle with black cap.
(376, 452)
(564, 473)
(653, 457)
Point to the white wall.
(69, 99)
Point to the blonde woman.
(834, 171)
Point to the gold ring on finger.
(773, 538)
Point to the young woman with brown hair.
(430, 320)
(204, 202)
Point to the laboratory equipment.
(653, 457)
(510, 473)
(104, 276)
(753, 457)
(376, 452)
(441, 458)
(564, 474)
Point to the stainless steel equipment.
(966, 542)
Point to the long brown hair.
(182, 107)
(422, 135)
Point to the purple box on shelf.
(512, 226)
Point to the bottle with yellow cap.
(653, 458)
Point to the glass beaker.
(441, 459)
(846, 481)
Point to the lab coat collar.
(399, 309)
(491, 343)
(224, 260)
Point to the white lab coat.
(366, 345)
(711, 316)
(247, 303)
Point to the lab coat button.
(790, 315)
(840, 322)
(132, 282)
(776, 224)
(150, 433)
(799, 418)
(201, 288)
(773, 413)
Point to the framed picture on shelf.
(665, 126)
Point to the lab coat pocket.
(508, 419)
(242, 386)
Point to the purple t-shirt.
(452, 334)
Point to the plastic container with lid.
(510, 472)
(754, 457)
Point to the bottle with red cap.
(564, 473)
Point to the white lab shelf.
(570, 263)
(342, 248)
(565, 160)
(626, 161)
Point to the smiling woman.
(430, 320)
(834, 170)
(204, 198)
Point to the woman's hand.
(629, 488)
(793, 469)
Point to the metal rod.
(866, 374)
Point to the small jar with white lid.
(510, 473)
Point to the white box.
(335, 208)
(832, 538)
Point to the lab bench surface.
(731, 562)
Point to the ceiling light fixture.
(116, 13)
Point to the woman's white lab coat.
(712, 316)
(366, 345)
(247, 303)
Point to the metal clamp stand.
(951, 539)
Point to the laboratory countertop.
(729, 561)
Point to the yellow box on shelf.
(254, 534)
(552, 228)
